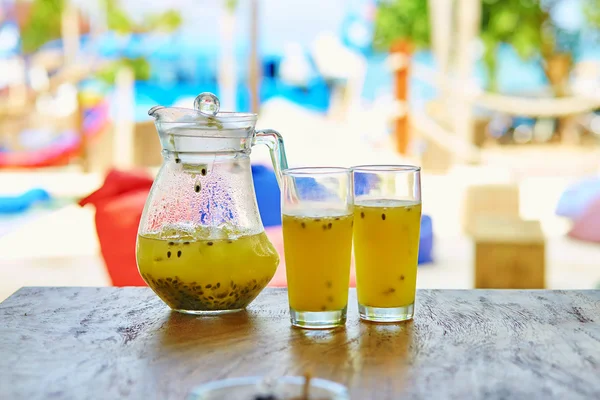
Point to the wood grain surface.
(111, 343)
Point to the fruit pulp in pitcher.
(386, 250)
(317, 257)
(193, 274)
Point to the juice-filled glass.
(387, 215)
(317, 234)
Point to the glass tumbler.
(317, 218)
(387, 216)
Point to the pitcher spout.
(154, 111)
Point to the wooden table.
(78, 343)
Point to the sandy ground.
(59, 247)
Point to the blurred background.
(497, 100)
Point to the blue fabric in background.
(577, 197)
(426, 240)
(21, 203)
(268, 195)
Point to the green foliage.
(120, 22)
(117, 20)
(516, 22)
(591, 9)
(168, 21)
(524, 24)
(231, 5)
(44, 24)
(402, 20)
(140, 67)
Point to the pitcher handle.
(273, 140)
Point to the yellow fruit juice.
(386, 249)
(206, 274)
(317, 256)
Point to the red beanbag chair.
(119, 204)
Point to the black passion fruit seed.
(191, 296)
(383, 217)
(197, 188)
(178, 253)
(329, 225)
(303, 225)
(168, 254)
(203, 171)
(209, 243)
(362, 214)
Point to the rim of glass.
(333, 387)
(386, 168)
(309, 171)
(221, 116)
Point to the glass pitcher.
(201, 244)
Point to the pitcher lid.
(205, 113)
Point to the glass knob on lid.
(207, 103)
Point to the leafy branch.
(44, 24)
(120, 22)
(523, 24)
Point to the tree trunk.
(227, 74)
(441, 22)
(253, 70)
(70, 31)
(557, 67)
(401, 53)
